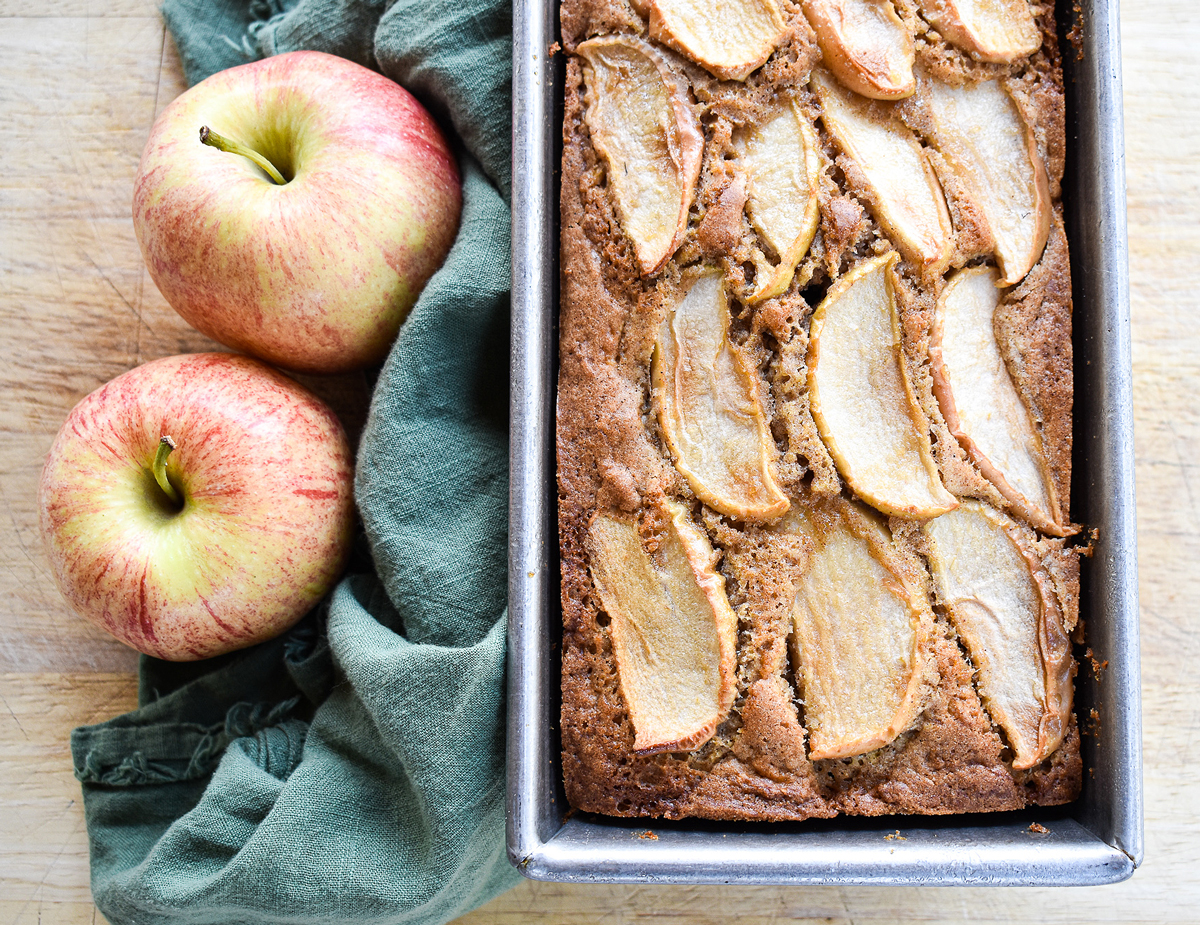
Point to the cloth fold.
(352, 770)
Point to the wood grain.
(43, 842)
(80, 83)
(78, 305)
(78, 94)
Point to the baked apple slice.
(861, 631)
(728, 38)
(907, 198)
(980, 403)
(999, 31)
(674, 634)
(706, 393)
(643, 125)
(782, 165)
(1003, 605)
(865, 45)
(862, 400)
(990, 148)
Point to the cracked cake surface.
(765, 616)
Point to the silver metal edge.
(1111, 804)
(538, 842)
(1007, 854)
(532, 812)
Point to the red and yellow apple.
(197, 504)
(315, 273)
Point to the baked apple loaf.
(814, 409)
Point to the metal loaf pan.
(1098, 839)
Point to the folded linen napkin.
(353, 769)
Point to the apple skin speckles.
(265, 471)
(318, 274)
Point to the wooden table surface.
(80, 84)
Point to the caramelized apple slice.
(707, 397)
(980, 133)
(1005, 611)
(783, 169)
(980, 403)
(862, 401)
(999, 31)
(644, 127)
(908, 200)
(860, 634)
(865, 44)
(674, 634)
(728, 38)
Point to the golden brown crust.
(582, 21)
(1029, 329)
(611, 456)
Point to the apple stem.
(221, 143)
(165, 446)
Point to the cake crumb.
(1038, 829)
(1075, 33)
(1098, 667)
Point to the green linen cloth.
(353, 769)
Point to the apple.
(866, 46)
(197, 504)
(862, 399)
(313, 270)
(728, 38)
(862, 631)
(992, 150)
(782, 160)
(643, 125)
(1000, 597)
(706, 397)
(999, 31)
(895, 172)
(674, 633)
